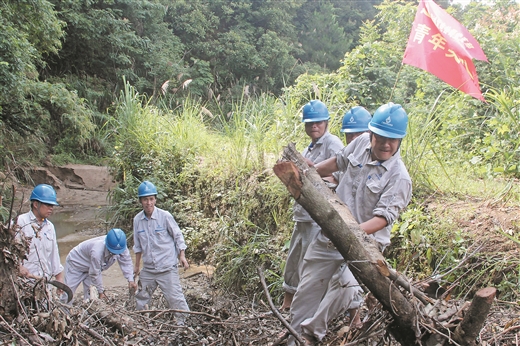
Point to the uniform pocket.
(374, 185)
(161, 235)
(141, 235)
(48, 242)
(354, 161)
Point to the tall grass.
(444, 151)
(214, 173)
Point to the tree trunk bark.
(467, 331)
(338, 224)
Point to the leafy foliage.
(328, 29)
(230, 206)
(109, 40)
(40, 111)
(30, 29)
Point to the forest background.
(201, 96)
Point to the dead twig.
(281, 339)
(275, 310)
(432, 329)
(401, 281)
(95, 334)
(31, 327)
(11, 208)
(162, 312)
(192, 275)
(357, 341)
(505, 331)
(14, 331)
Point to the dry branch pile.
(32, 315)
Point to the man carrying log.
(375, 186)
(323, 146)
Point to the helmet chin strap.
(37, 213)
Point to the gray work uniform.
(86, 261)
(369, 188)
(43, 258)
(305, 229)
(160, 241)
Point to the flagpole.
(395, 84)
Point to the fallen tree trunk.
(338, 224)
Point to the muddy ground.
(222, 318)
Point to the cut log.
(338, 224)
(110, 317)
(467, 331)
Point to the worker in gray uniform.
(158, 240)
(43, 258)
(323, 145)
(87, 260)
(354, 124)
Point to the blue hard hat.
(356, 120)
(44, 193)
(315, 110)
(115, 241)
(390, 120)
(146, 189)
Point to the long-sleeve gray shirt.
(326, 147)
(93, 257)
(372, 188)
(159, 240)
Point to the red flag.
(439, 44)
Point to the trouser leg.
(170, 285)
(320, 263)
(343, 292)
(146, 287)
(303, 234)
(87, 282)
(73, 277)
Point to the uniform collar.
(319, 141)
(153, 216)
